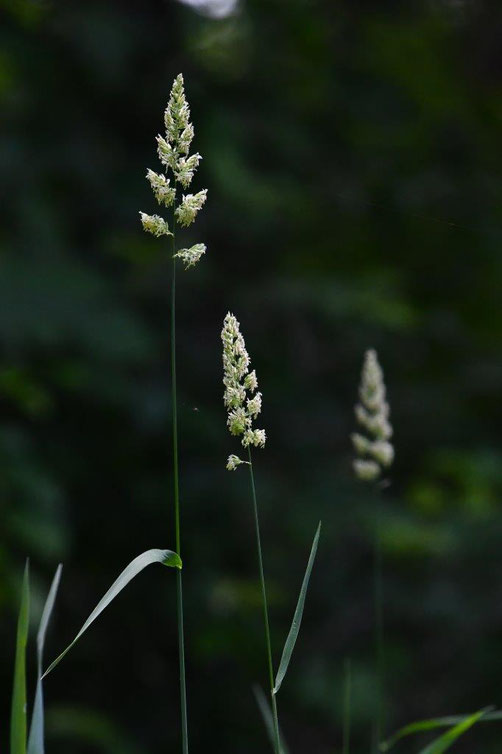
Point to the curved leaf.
(36, 737)
(166, 557)
(422, 726)
(18, 710)
(297, 617)
(447, 739)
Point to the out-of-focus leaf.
(18, 712)
(422, 726)
(36, 737)
(447, 739)
(268, 719)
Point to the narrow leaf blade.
(166, 557)
(448, 738)
(36, 737)
(422, 726)
(18, 711)
(268, 719)
(297, 617)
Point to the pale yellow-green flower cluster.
(190, 205)
(233, 461)
(242, 401)
(173, 152)
(375, 452)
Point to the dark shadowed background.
(352, 153)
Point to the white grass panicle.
(173, 152)
(242, 401)
(179, 168)
(374, 451)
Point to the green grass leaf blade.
(448, 739)
(36, 737)
(18, 711)
(166, 557)
(297, 617)
(268, 719)
(422, 726)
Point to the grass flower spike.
(173, 152)
(375, 452)
(241, 400)
(179, 167)
(243, 403)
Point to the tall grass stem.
(273, 699)
(179, 582)
(379, 635)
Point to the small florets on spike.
(192, 255)
(155, 225)
(366, 471)
(375, 452)
(179, 130)
(253, 405)
(164, 193)
(166, 153)
(185, 168)
(234, 461)
(250, 381)
(242, 401)
(190, 206)
(256, 437)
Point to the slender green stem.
(273, 699)
(379, 636)
(347, 691)
(179, 583)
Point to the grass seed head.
(374, 450)
(241, 399)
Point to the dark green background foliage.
(352, 156)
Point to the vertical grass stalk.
(379, 637)
(176, 492)
(266, 621)
(374, 455)
(174, 154)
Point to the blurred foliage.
(352, 155)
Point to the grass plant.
(375, 454)
(18, 723)
(243, 403)
(173, 152)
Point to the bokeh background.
(352, 152)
